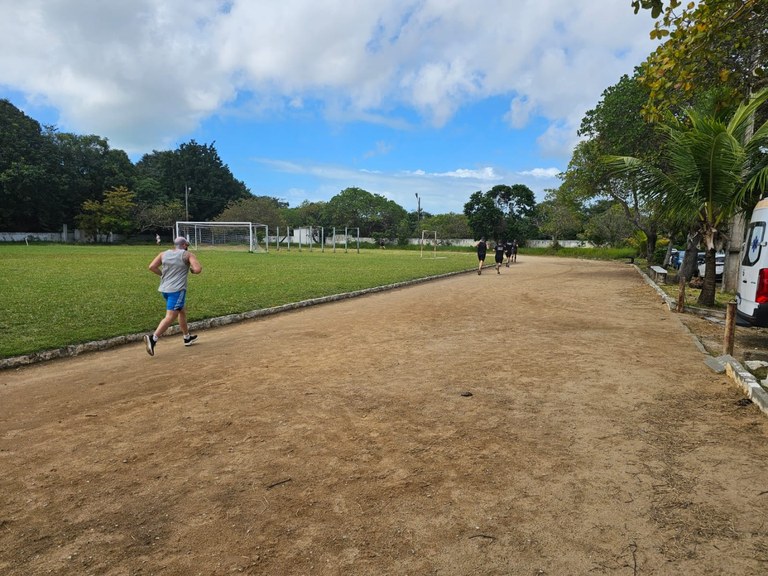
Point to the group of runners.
(501, 250)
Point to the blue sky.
(302, 98)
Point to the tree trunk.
(707, 295)
(737, 235)
(738, 228)
(681, 294)
(650, 244)
(689, 260)
(667, 255)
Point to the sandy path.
(335, 441)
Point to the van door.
(752, 297)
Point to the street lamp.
(186, 200)
(418, 209)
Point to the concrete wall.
(563, 243)
(63, 236)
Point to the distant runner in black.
(482, 248)
(499, 256)
(508, 251)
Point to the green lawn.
(55, 295)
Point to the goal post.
(429, 236)
(250, 236)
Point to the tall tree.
(709, 175)
(193, 174)
(616, 127)
(305, 214)
(485, 218)
(86, 167)
(375, 215)
(448, 225)
(28, 198)
(607, 224)
(713, 47)
(518, 204)
(560, 217)
(113, 214)
(158, 217)
(257, 209)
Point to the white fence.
(563, 243)
(63, 236)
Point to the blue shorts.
(175, 300)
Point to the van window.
(754, 243)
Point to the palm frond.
(742, 117)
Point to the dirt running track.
(336, 441)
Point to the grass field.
(55, 295)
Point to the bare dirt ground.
(337, 440)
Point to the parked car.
(676, 258)
(719, 264)
(699, 260)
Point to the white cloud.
(541, 172)
(482, 174)
(520, 109)
(146, 72)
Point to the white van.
(752, 295)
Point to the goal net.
(225, 235)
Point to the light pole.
(418, 209)
(186, 200)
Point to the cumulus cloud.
(147, 72)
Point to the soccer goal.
(429, 236)
(225, 235)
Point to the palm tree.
(709, 173)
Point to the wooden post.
(730, 328)
(681, 293)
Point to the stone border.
(77, 349)
(725, 363)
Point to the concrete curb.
(746, 380)
(77, 349)
(719, 364)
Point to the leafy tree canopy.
(616, 124)
(449, 225)
(711, 43)
(112, 214)
(372, 213)
(258, 209)
(194, 174)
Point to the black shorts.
(499, 257)
(481, 256)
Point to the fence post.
(730, 328)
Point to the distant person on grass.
(515, 246)
(499, 256)
(482, 248)
(173, 267)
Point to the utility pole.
(418, 209)
(186, 200)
